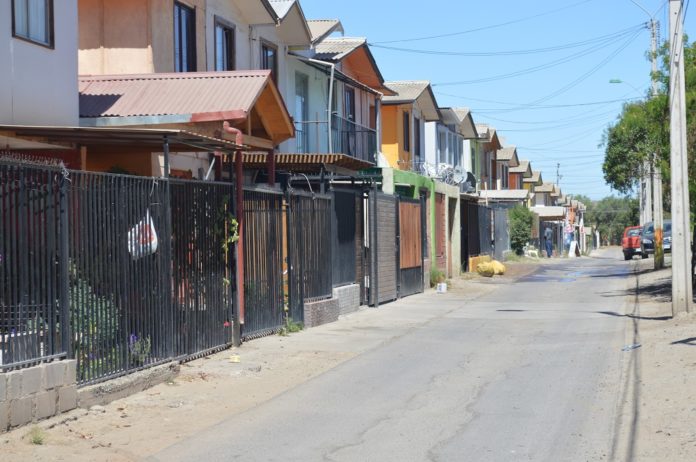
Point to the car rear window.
(633, 232)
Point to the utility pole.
(682, 292)
(653, 164)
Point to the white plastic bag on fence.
(142, 238)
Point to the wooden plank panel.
(386, 248)
(410, 232)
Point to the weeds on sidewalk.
(36, 436)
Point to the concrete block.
(67, 398)
(21, 411)
(32, 379)
(3, 387)
(70, 372)
(14, 385)
(46, 404)
(54, 375)
(4, 416)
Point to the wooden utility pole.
(682, 293)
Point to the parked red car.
(631, 242)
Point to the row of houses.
(177, 176)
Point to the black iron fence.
(118, 272)
(476, 231)
(33, 289)
(309, 250)
(347, 231)
(263, 262)
(353, 139)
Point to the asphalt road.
(531, 371)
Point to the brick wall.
(321, 312)
(36, 393)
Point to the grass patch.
(36, 436)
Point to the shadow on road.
(691, 341)
(633, 316)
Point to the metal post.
(681, 254)
(271, 167)
(66, 328)
(239, 196)
(165, 149)
(236, 326)
(375, 260)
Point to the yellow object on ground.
(485, 269)
(498, 267)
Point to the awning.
(15, 137)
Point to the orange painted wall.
(135, 161)
(393, 136)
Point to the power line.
(493, 26)
(604, 40)
(533, 69)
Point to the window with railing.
(340, 136)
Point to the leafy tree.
(643, 129)
(521, 219)
(611, 215)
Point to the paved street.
(530, 371)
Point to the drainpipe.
(239, 200)
(331, 90)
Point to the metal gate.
(309, 250)
(440, 232)
(502, 233)
(202, 271)
(410, 247)
(263, 262)
(383, 248)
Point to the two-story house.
(445, 155)
(38, 75)
(404, 115)
(506, 158)
(487, 167)
(338, 91)
(129, 46)
(518, 174)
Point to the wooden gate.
(440, 232)
(410, 247)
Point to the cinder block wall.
(321, 312)
(348, 298)
(37, 393)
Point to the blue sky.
(549, 113)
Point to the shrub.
(436, 277)
(521, 219)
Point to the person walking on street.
(548, 234)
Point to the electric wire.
(493, 26)
(604, 40)
(533, 69)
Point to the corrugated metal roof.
(406, 90)
(320, 28)
(281, 7)
(505, 194)
(523, 168)
(508, 155)
(336, 48)
(549, 213)
(170, 94)
(535, 178)
(545, 188)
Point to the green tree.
(643, 128)
(611, 215)
(521, 219)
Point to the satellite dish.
(470, 182)
(458, 177)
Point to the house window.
(269, 59)
(416, 139)
(302, 112)
(184, 38)
(32, 20)
(224, 46)
(407, 132)
(349, 104)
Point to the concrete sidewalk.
(208, 390)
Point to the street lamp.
(617, 81)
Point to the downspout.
(329, 109)
(239, 200)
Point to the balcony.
(347, 138)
